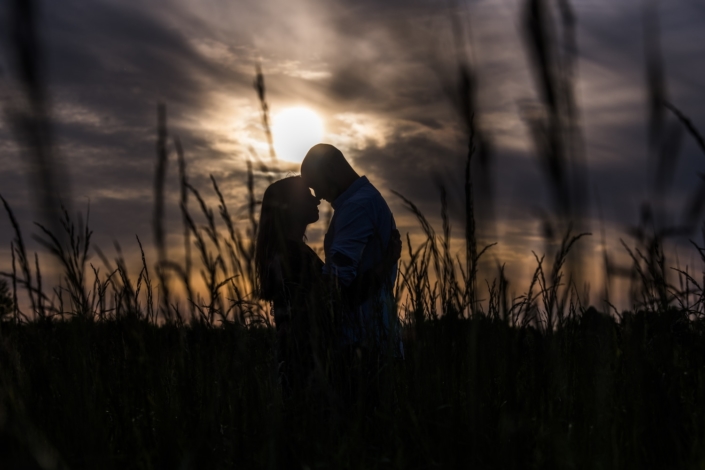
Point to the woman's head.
(287, 208)
(289, 204)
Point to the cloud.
(384, 78)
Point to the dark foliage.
(471, 393)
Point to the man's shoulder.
(367, 196)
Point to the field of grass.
(105, 373)
(475, 393)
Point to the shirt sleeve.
(352, 233)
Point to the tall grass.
(537, 379)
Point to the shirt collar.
(352, 189)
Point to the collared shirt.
(356, 241)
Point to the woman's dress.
(299, 308)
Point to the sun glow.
(295, 130)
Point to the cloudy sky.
(376, 79)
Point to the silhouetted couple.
(335, 319)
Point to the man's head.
(327, 172)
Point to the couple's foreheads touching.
(325, 170)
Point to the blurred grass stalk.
(28, 112)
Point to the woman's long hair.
(275, 216)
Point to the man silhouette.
(357, 239)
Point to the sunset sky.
(373, 78)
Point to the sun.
(295, 131)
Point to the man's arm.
(366, 284)
(353, 232)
